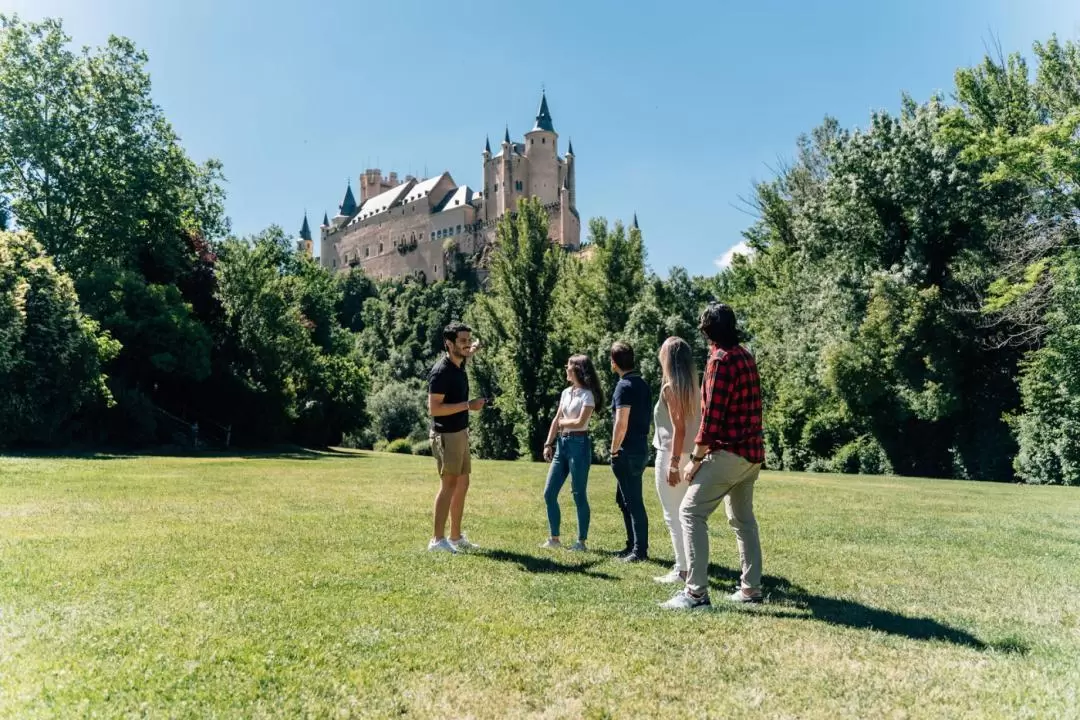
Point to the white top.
(573, 401)
(664, 434)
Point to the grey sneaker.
(740, 597)
(672, 578)
(683, 600)
(579, 546)
(463, 544)
(441, 546)
(551, 544)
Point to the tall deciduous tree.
(517, 317)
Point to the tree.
(518, 319)
(51, 355)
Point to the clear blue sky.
(675, 109)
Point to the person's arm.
(618, 433)
(714, 391)
(580, 422)
(438, 408)
(677, 413)
(549, 444)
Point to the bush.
(363, 440)
(401, 446)
(863, 456)
(423, 447)
(398, 411)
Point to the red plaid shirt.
(731, 405)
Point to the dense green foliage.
(51, 355)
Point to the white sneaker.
(672, 578)
(550, 544)
(443, 545)
(579, 546)
(463, 544)
(683, 600)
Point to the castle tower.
(305, 243)
(541, 148)
(504, 192)
(347, 208)
(489, 181)
(570, 181)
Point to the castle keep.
(420, 226)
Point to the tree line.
(910, 293)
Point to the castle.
(421, 227)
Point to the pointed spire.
(570, 150)
(305, 229)
(506, 137)
(348, 205)
(543, 116)
(487, 145)
(635, 225)
(325, 220)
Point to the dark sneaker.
(683, 600)
(634, 558)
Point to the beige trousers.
(725, 477)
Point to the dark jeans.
(628, 468)
(573, 456)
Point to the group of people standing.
(707, 439)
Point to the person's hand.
(549, 452)
(615, 453)
(673, 477)
(690, 470)
(474, 348)
(477, 405)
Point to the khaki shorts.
(451, 451)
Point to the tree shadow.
(785, 599)
(289, 452)
(541, 565)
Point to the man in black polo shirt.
(632, 404)
(449, 404)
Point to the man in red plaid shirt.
(725, 463)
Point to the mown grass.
(299, 586)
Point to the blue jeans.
(573, 457)
(628, 468)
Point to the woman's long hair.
(585, 375)
(677, 364)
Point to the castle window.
(531, 141)
(432, 236)
(435, 268)
(518, 186)
(380, 247)
(496, 187)
(543, 141)
(367, 252)
(458, 231)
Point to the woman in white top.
(676, 418)
(569, 450)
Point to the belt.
(574, 433)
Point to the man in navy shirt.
(632, 404)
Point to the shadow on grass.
(276, 453)
(533, 564)
(785, 599)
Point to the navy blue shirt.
(632, 392)
(452, 382)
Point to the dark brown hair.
(585, 374)
(623, 356)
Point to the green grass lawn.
(299, 586)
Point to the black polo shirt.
(452, 382)
(633, 392)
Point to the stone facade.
(419, 227)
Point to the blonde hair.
(677, 364)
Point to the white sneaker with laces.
(441, 546)
(683, 600)
(463, 544)
(672, 578)
(551, 544)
